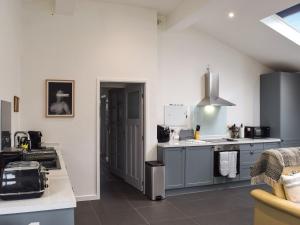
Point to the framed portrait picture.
(60, 98)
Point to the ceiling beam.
(185, 14)
(64, 7)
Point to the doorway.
(122, 125)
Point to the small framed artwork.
(60, 98)
(16, 104)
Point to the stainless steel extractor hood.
(212, 92)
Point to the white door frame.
(98, 121)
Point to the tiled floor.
(121, 204)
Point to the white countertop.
(59, 195)
(190, 143)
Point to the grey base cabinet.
(249, 153)
(174, 160)
(199, 166)
(187, 167)
(52, 217)
(194, 166)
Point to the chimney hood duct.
(212, 92)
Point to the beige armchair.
(274, 209)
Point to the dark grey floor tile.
(130, 217)
(208, 206)
(161, 213)
(234, 217)
(85, 215)
(176, 222)
(220, 218)
(138, 201)
(111, 205)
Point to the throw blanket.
(269, 166)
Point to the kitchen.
(182, 150)
(164, 47)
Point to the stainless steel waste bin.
(155, 180)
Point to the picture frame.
(60, 100)
(16, 104)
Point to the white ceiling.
(163, 7)
(246, 33)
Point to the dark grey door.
(174, 159)
(199, 166)
(134, 169)
(117, 131)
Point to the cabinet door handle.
(251, 152)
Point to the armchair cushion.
(291, 184)
(278, 189)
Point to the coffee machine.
(36, 139)
(163, 134)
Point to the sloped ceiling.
(246, 33)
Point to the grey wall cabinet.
(174, 160)
(280, 106)
(199, 166)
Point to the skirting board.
(86, 198)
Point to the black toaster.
(22, 180)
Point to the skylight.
(286, 22)
(291, 16)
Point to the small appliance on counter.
(163, 134)
(23, 180)
(186, 134)
(36, 139)
(257, 132)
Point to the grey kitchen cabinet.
(198, 166)
(280, 106)
(245, 171)
(250, 152)
(174, 160)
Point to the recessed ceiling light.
(231, 15)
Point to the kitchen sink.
(193, 141)
(46, 157)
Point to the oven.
(225, 148)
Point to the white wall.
(100, 40)
(120, 42)
(183, 58)
(10, 53)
